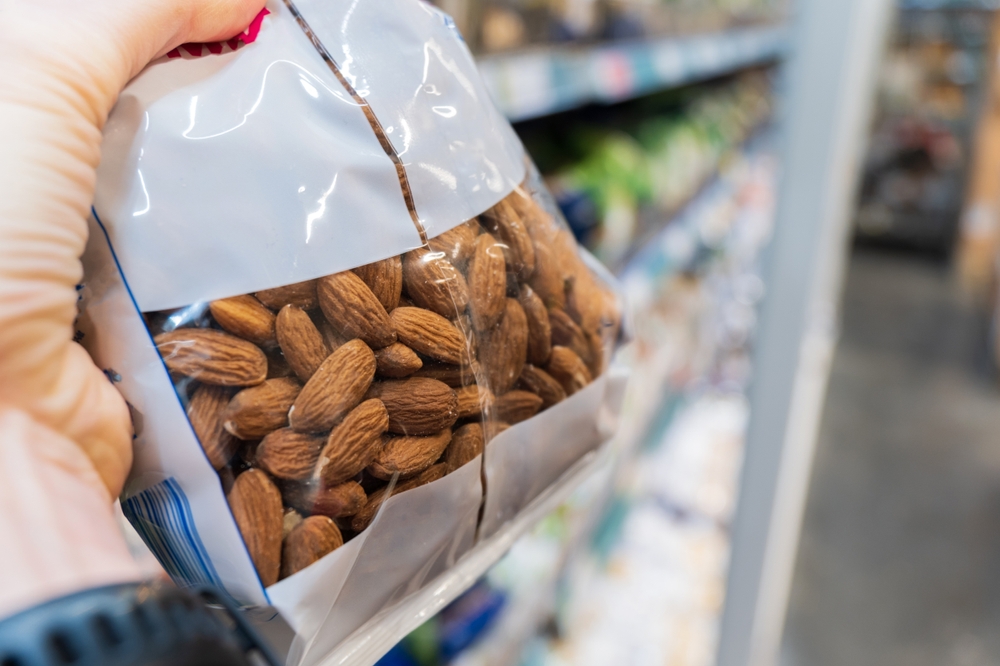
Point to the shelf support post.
(829, 82)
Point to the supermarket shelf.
(376, 637)
(655, 224)
(538, 82)
(939, 5)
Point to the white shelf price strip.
(544, 80)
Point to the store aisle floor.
(899, 562)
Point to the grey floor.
(899, 562)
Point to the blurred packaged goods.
(539, 81)
(930, 93)
(493, 26)
(652, 581)
(618, 173)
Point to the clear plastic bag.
(338, 299)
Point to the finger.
(46, 183)
(217, 20)
(166, 24)
(90, 411)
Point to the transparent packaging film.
(342, 374)
(311, 399)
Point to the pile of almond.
(313, 400)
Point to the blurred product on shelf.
(620, 172)
(539, 81)
(928, 102)
(636, 558)
(652, 581)
(502, 25)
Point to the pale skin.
(65, 434)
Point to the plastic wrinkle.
(248, 36)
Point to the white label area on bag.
(416, 536)
(519, 466)
(231, 173)
(406, 60)
(184, 516)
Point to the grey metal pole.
(830, 80)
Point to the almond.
(452, 375)
(567, 255)
(590, 302)
(473, 401)
(532, 214)
(567, 333)
(205, 413)
(397, 360)
(458, 243)
(503, 222)
(493, 428)
(568, 369)
(548, 280)
(336, 387)
(464, 325)
(467, 442)
(417, 406)
(516, 406)
(597, 351)
(353, 444)
(430, 334)
(343, 499)
(351, 308)
(385, 279)
(487, 283)
(333, 338)
(300, 341)
(256, 506)
(429, 475)
(541, 384)
(432, 282)
(286, 454)
(259, 410)
(245, 317)
(408, 456)
(299, 294)
(212, 357)
(308, 541)
(364, 517)
(503, 349)
(539, 328)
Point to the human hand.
(65, 436)
(56, 526)
(62, 66)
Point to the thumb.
(65, 63)
(216, 20)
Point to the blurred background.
(802, 208)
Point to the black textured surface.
(132, 625)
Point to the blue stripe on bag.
(162, 516)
